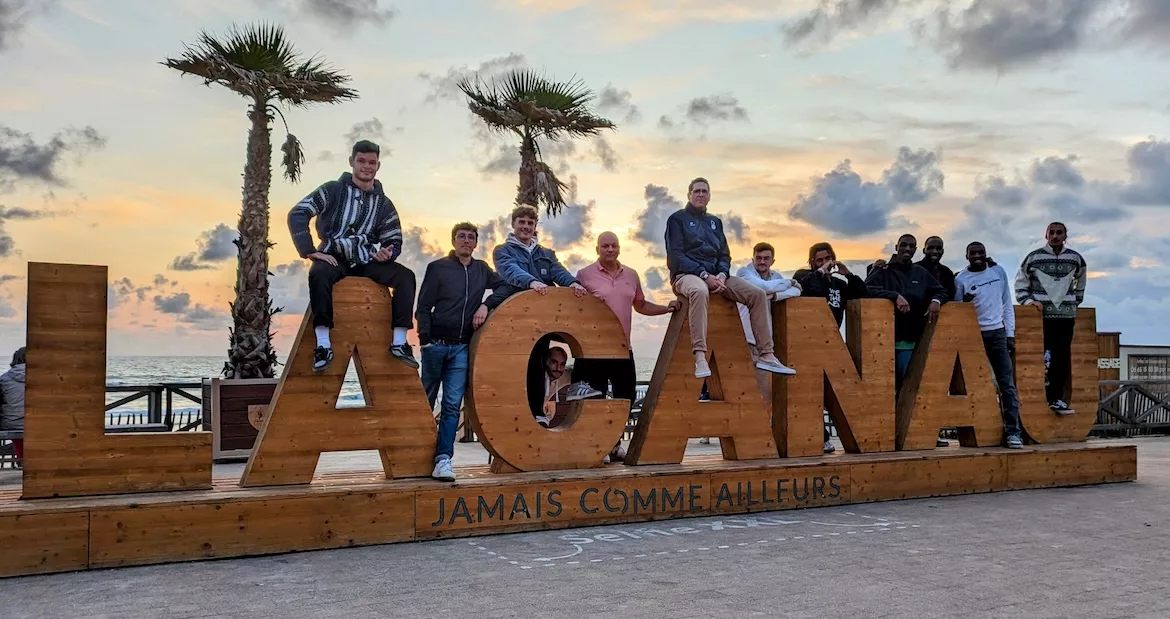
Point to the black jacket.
(814, 283)
(695, 243)
(450, 295)
(917, 286)
(942, 275)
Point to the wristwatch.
(704, 275)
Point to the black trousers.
(322, 277)
(1058, 336)
(600, 373)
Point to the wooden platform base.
(356, 509)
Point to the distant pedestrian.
(12, 406)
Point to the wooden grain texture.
(304, 421)
(854, 383)
(67, 452)
(145, 535)
(929, 476)
(497, 401)
(672, 413)
(1041, 425)
(948, 360)
(43, 543)
(1052, 469)
(790, 487)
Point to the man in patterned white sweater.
(1052, 279)
(360, 236)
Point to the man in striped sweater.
(360, 236)
(1052, 279)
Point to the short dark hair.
(365, 146)
(907, 236)
(818, 248)
(699, 179)
(19, 356)
(763, 247)
(974, 243)
(1057, 223)
(524, 211)
(932, 238)
(466, 225)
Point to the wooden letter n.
(949, 385)
(855, 384)
(672, 413)
(67, 451)
(303, 420)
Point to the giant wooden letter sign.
(771, 450)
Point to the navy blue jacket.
(450, 295)
(519, 267)
(695, 243)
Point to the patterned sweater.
(350, 221)
(1055, 281)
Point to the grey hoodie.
(12, 390)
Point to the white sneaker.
(581, 391)
(443, 470)
(775, 367)
(542, 420)
(618, 454)
(829, 447)
(705, 441)
(702, 368)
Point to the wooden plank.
(67, 452)
(1041, 425)
(672, 414)
(1051, 468)
(928, 477)
(304, 420)
(854, 383)
(146, 535)
(518, 507)
(43, 543)
(497, 401)
(779, 488)
(949, 385)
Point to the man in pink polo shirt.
(621, 290)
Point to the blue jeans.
(901, 365)
(995, 343)
(447, 365)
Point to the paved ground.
(1097, 552)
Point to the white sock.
(399, 336)
(322, 336)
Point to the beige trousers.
(697, 295)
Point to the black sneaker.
(1060, 408)
(322, 357)
(403, 353)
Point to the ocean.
(146, 370)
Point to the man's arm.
(390, 231)
(560, 275)
(875, 285)
(1081, 276)
(298, 219)
(1009, 313)
(644, 307)
(675, 240)
(426, 302)
(856, 288)
(934, 290)
(510, 269)
(498, 286)
(1024, 282)
(781, 286)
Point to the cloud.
(371, 129)
(7, 243)
(575, 262)
(503, 155)
(706, 111)
(572, 226)
(197, 315)
(417, 252)
(657, 279)
(5, 278)
(1005, 34)
(833, 18)
(1058, 172)
(1149, 168)
(215, 245)
(650, 228)
(23, 159)
(735, 228)
(841, 202)
(342, 16)
(491, 234)
(606, 155)
(173, 304)
(619, 103)
(446, 87)
(14, 16)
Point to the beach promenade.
(1097, 551)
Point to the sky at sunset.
(851, 121)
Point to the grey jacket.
(12, 390)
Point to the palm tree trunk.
(251, 354)
(526, 192)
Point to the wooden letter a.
(949, 385)
(303, 420)
(672, 413)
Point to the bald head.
(608, 249)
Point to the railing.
(1133, 407)
(160, 406)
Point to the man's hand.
(578, 290)
(539, 286)
(842, 269)
(932, 311)
(1039, 306)
(720, 283)
(1011, 346)
(713, 284)
(674, 306)
(880, 263)
(384, 254)
(968, 297)
(326, 258)
(479, 317)
(902, 304)
(827, 266)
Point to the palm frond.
(294, 158)
(524, 98)
(549, 188)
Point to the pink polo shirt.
(619, 290)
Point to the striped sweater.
(1055, 281)
(350, 222)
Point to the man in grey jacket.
(360, 236)
(12, 406)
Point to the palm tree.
(534, 107)
(261, 65)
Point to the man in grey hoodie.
(12, 406)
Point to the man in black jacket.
(828, 279)
(932, 254)
(917, 298)
(360, 237)
(450, 309)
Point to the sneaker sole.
(1062, 413)
(775, 370)
(706, 374)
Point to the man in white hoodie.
(989, 288)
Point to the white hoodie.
(993, 297)
(775, 285)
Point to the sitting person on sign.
(551, 396)
(12, 407)
(361, 236)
